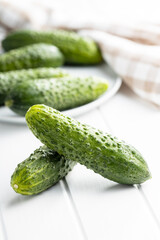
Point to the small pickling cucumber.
(41, 170)
(9, 79)
(33, 56)
(62, 93)
(76, 49)
(99, 151)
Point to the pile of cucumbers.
(29, 73)
(67, 141)
(30, 79)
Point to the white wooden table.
(85, 205)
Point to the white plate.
(6, 115)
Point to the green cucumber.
(76, 49)
(62, 93)
(99, 151)
(33, 56)
(9, 79)
(39, 171)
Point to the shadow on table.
(118, 187)
(18, 199)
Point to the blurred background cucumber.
(76, 49)
(60, 93)
(9, 79)
(33, 56)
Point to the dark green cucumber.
(9, 79)
(33, 56)
(76, 49)
(62, 93)
(99, 151)
(39, 171)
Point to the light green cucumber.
(62, 93)
(103, 153)
(41, 170)
(9, 79)
(76, 49)
(33, 56)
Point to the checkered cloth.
(133, 51)
(137, 64)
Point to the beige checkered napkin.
(137, 64)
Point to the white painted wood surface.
(85, 205)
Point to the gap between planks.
(140, 189)
(74, 211)
(3, 232)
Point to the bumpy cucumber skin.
(33, 56)
(62, 93)
(101, 152)
(9, 79)
(76, 49)
(39, 171)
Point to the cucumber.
(62, 93)
(99, 151)
(9, 79)
(76, 49)
(39, 171)
(33, 56)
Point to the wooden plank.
(106, 209)
(44, 216)
(137, 122)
